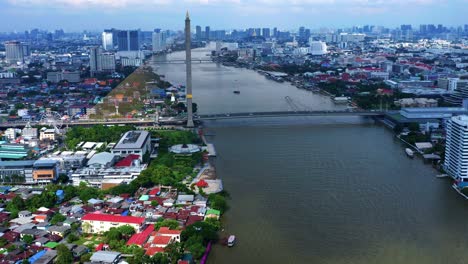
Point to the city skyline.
(75, 15)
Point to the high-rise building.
(109, 39)
(302, 33)
(14, 52)
(107, 61)
(456, 158)
(275, 32)
(423, 29)
(129, 40)
(207, 33)
(266, 32)
(159, 40)
(95, 64)
(198, 33)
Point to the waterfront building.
(159, 40)
(14, 52)
(100, 223)
(207, 33)
(456, 158)
(133, 142)
(198, 33)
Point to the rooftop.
(132, 140)
(114, 218)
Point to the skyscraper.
(198, 33)
(188, 64)
(275, 32)
(129, 40)
(109, 39)
(456, 158)
(266, 32)
(159, 40)
(207, 33)
(14, 52)
(95, 63)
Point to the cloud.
(254, 3)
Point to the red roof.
(161, 240)
(153, 250)
(140, 238)
(154, 191)
(127, 161)
(114, 218)
(166, 231)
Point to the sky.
(95, 15)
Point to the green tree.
(218, 202)
(28, 239)
(57, 218)
(64, 255)
(72, 238)
(172, 224)
(126, 230)
(86, 257)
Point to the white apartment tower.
(456, 149)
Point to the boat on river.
(236, 92)
(409, 152)
(231, 240)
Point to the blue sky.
(96, 15)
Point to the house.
(174, 234)
(47, 258)
(79, 251)
(59, 230)
(168, 202)
(212, 213)
(200, 200)
(106, 257)
(22, 214)
(184, 199)
(99, 223)
(140, 238)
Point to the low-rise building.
(99, 223)
(45, 171)
(133, 142)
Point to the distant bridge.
(289, 113)
(182, 120)
(182, 61)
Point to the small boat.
(231, 240)
(236, 92)
(409, 152)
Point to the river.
(320, 190)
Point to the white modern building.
(14, 52)
(133, 142)
(159, 40)
(456, 154)
(317, 47)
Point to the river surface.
(320, 190)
